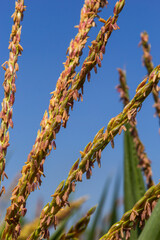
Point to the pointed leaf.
(113, 218)
(152, 227)
(60, 230)
(134, 187)
(99, 211)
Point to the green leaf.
(134, 187)
(74, 209)
(2, 226)
(113, 218)
(60, 230)
(152, 227)
(99, 211)
(77, 229)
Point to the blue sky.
(47, 30)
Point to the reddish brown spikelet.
(10, 67)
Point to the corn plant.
(141, 193)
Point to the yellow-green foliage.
(69, 88)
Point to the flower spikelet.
(10, 67)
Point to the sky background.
(47, 30)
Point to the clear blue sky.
(47, 29)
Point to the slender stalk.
(92, 153)
(10, 67)
(144, 162)
(58, 115)
(138, 214)
(147, 60)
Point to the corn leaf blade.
(152, 227)
(134, 187)
(97, 217)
